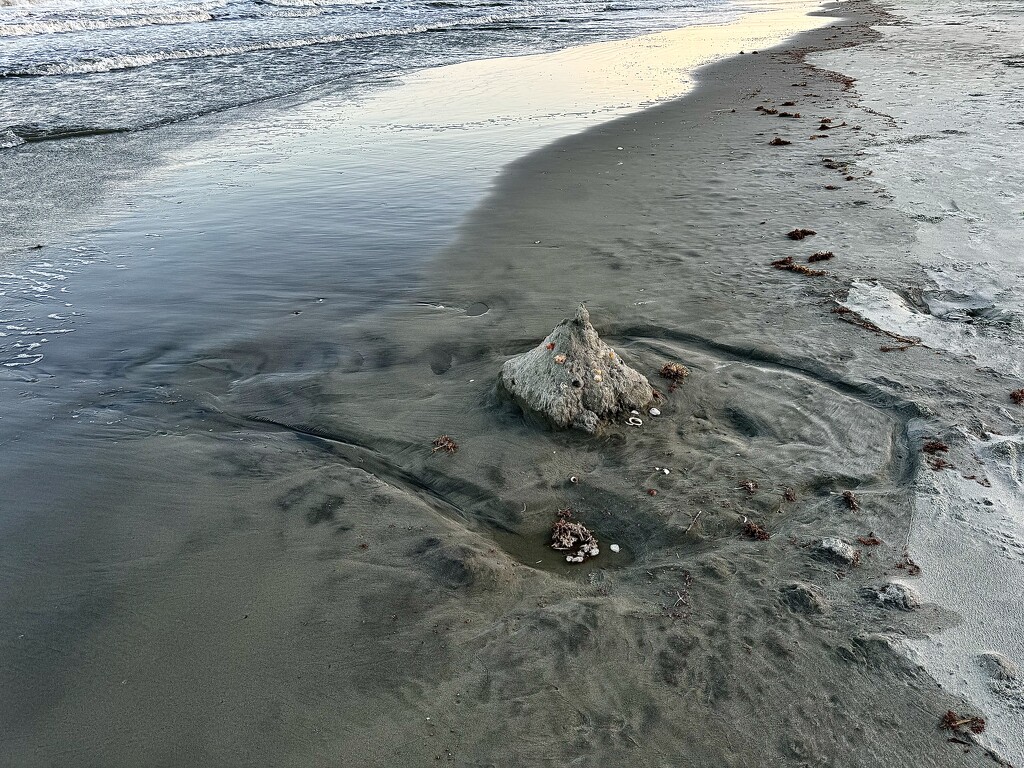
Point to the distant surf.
(124, 65)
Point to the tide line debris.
(754, 531)
(674, 372)
(906, 563)
(444, 443)
(573, 537)
(951, 721)
(788, 265)
(853, 318)
(800, 233)
(932, 449)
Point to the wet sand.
(250, 555)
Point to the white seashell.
(633, 421)
(665, 471)
(654, 412)
(614, 548)
(595, 552)
(635, 413)
(570, 559)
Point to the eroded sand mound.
(574, 379)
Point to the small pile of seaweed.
(444, 443)
(800, 233)
(754, 531)
(951, 721)
(674, 372)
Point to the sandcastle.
(574, 379)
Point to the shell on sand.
(589, 384)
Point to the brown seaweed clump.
(788, 265)
(444, 443)
(800, 233)
(674, 372)
(932, 449)
(777, 142)
(1017, 396)
(951, 721)
(575, 539)
(820, 256)
(754, 531)
(851, 501)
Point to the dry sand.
(324, 589)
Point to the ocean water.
(245, 98)
(94, 66)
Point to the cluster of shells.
(574, 538)
(598, 373)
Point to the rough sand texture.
(327, 590)
(950, 166)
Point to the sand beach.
(226, 537)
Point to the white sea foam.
(36, 26)
(975, 342)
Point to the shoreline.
(567, 104)
(395, 605)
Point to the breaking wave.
(112, 63)
(46, 27)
